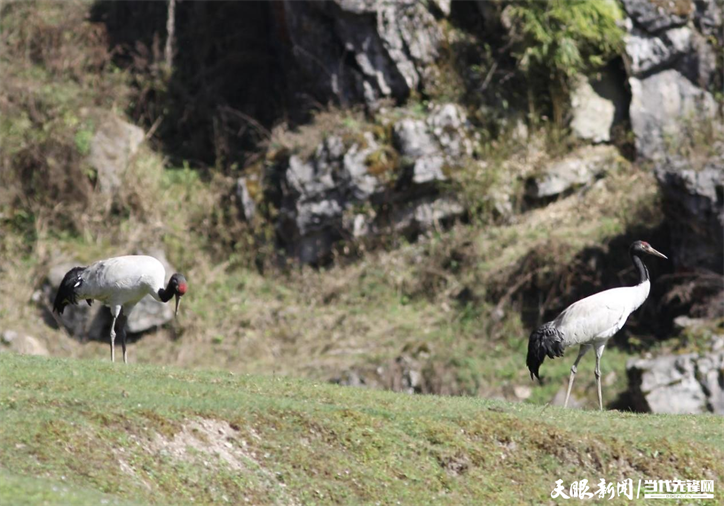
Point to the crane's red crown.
(182, 288)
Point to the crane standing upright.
(120, 283)
(591, 322)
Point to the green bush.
(557, 39)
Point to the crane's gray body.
(122, 281)
(595, 319)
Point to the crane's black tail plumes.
(68, 289)
(545, 340)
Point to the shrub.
(557, 39)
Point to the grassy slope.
(77, 432)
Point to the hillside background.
(387, 195)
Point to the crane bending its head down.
(119, 283)
(591, 322)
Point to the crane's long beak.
(658, 254)
(178, 301)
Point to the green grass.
(76, 432)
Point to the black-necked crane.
(119, 283)
(591, 322)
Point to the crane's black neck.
(640, 266)
(165, 294)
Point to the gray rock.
(404, 375)
(522, 392)
(579, 168)
(449, 124)
(645, 52)
(444, 133)
(317, 192)
(717, 343)
(425, 213)
(559, 399)
(111, 149)
(428, 169)
(361, 225)
(708, 16)
(360, 183)
(682, 48)
(443, 6)
(653, 16)
(313, 216)
(689, 383)
(322, 197)
(358, 50)
(350, 378)
(685, 322)
(413, 139)
(248, 205)
(28, 345)
(659, 105)
(312, 178)
(597, 104)
(8, 336)
(694, 207)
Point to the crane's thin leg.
(599, 353)
(574, 369)
(114, 313)
(122, 324)
(122, 330)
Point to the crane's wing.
(108, 278)
(598, 316)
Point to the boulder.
(579, 168)
(681, 384)
(672, 65)
(660, 104)
(681, 48)
(655, 15)
(432, 144)
(693, 200)
(426, 213)
(24, 344)
(449, 124)
(246, 203)
(316, 192)
(114, 143)
(443, 6)
(559, 399)
(360, 51)
(708, 17)
(404, 374)
(416, 145)
(646, 53)
(597, 104)
(413, 139)
(343, 191)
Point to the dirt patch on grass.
(215, 444)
